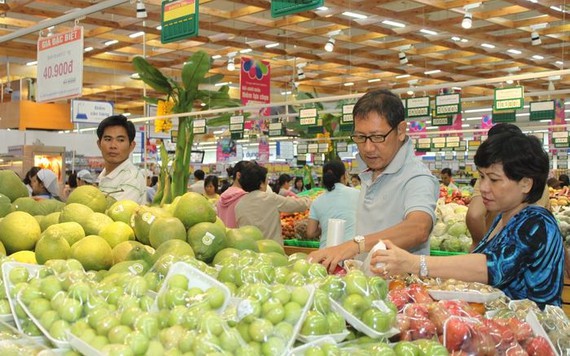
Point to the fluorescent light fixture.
(556, 8)
(537, 57)
(559, 63)
(216, 56)
(477, 110)
(136, 34)
(88, 49)
(231, 64)
(535, 38)
(222, 84)
(428, 32)
(33, 63)
(435, 71)
(348, 84)
(127, 114)
(432, 128)
(455, 38)
(141, 10)
(374, 80)
(329, 46)
(410, 92)
(514, 51)
(111, 42)
(159, 27)
(524, 114)
(402, 76)
(355, 15)
(403, 58)
(487, 45)
(288, 92)
(393, 23)
(509, 81)
(465, 125)
(272, 45)
(135, 76)
(322, 8)
(456, 88)
(467, 21)
(247, 50)
(464, 40)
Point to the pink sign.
(226, 149)
(263, 149)
(254, 81)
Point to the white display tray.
(338, 337)
(359, 324)
(471, 297)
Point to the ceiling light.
(559, 63)
(272, 45)
(127, 114)
(247, 50)
(556, 8)
(136, 34)
(231, 63)
(465, 125)
(535, 38)
(428, 32)
(403, 58)
(374, 80)
(464, 40)
(329, 46)
(487, 45)
(159, 27)
(467, 22)
(111, 42)
(135, 76)
(300, 73)
(88, 49)
(216, 56)
(402, 76)
(33, 63)
(222, 84)
(435, 71)
(537, 57)
(510, 81)
(355, 15)
(141, 10)
(393, 23)
(322, 8)
(514, 51)
(455, 38)
(288, 92)
(551, 86)
(410, 92)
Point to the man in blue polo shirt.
(398, 192)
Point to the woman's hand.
(331, 256)
(393, 261)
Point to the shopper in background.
(27, 179)
(229, 199)
(44, 185)
(151, 189)
(211, 189)
(522, 252)
(283, 185)
(70, 186)
(119, 178)
(84, 177)
(298, 185)
(564, 180)
(398, 193)
(553, 183)
(447, 181)
(355, 181)
(338, 202)
(261, 209)
(198, 185)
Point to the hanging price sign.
(347, 114)
(199, 126)
(308, 117)
(275, 129)
(236, 123)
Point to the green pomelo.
(49, 220)
(116, 232)
(252, 232)
(122, 210)
(138, 267)
(173, 248)
(236, 239)
(206, 239)
(164, 229)
(194, 208)
(267, 245)
(220, 222)
(28, 205)
(110, 201)
(11, 185)
(76, 212)
(24, 256)
(52, 247)
(2, 249)
(90, 196)
(39, 219)
(121, 251)
(5, 205)
(228, 252)
(278, 259)
(48, 206)
(71, 231)
(93, 252)
(19, 231)
(142, 220)
(96, 222)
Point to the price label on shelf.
(60, 66)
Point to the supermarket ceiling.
(367, 50)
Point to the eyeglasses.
(373, 138)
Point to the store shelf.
(289, 250)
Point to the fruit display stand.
(289, 250)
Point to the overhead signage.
(314, 130)
(449, 104)
(418, 107)
(509, 98)
(255, 81)
(438, 142)
(474, 144)
(236, 123)
(308, 117)
(560, 139)
(313, 148)
(347, 114)
(318, 160)
(341, 146)
(442, 120)
(179, 20)
(423, 144)
(452, 142)
(60, 66)
(541, 110)
(199, 126)
(173, 136)
(284, 150)
(323, 147)
(287, 7)
(90, 112)
(345, 127)
(275, 129)
(448, 156)
(506, 116)
(302, 149)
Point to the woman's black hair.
(233, 171)
(31, 173)
(297, 179)
(72, 180)
(564, 180)
(252, 176)
(283, 178)
(212, 179)
(522, 156)
(332, 173)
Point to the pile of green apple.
(4, 303)
(321, 320)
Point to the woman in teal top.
(338, 202)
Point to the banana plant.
(186, 95)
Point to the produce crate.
(445, 253)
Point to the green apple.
(317, 270)
(249, 309)
(212, 323)
(117, 334)
(170, 337)
(106, 323)
(284, 329)
(378, 287)
(356, 304)
(87, 335)
(29, 328)
(356, 283)
(99, 342)
(281, 292)
(300, 295)
(273, 310)
(334, 286)
(281, 274)
(178, 281)
(117, 350)
(267, 273)
(321, 302)
(230, 340)
(301, 266)
(58, 329)
(406, 348)
(275, 345)
(50, 286)
(336, 322)
(175, 296)
(70, 309)
(260, 330)
(215, 297)
(205, 344)
(147, 324)
(30, 293)
(260, 291)
(314, 350)
(293, 312)
(382, 349)
(152, 279)
(243, 328)
(186, 342)
(18, 275)
(138, 342)
(315, 324)
(295, 279)
(177, 315)
(136, 286)
(227, 274)
(39, 306)
(4, 307)
(79, 291)
(378, 320)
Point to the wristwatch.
(423, 267)
(359, 239)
